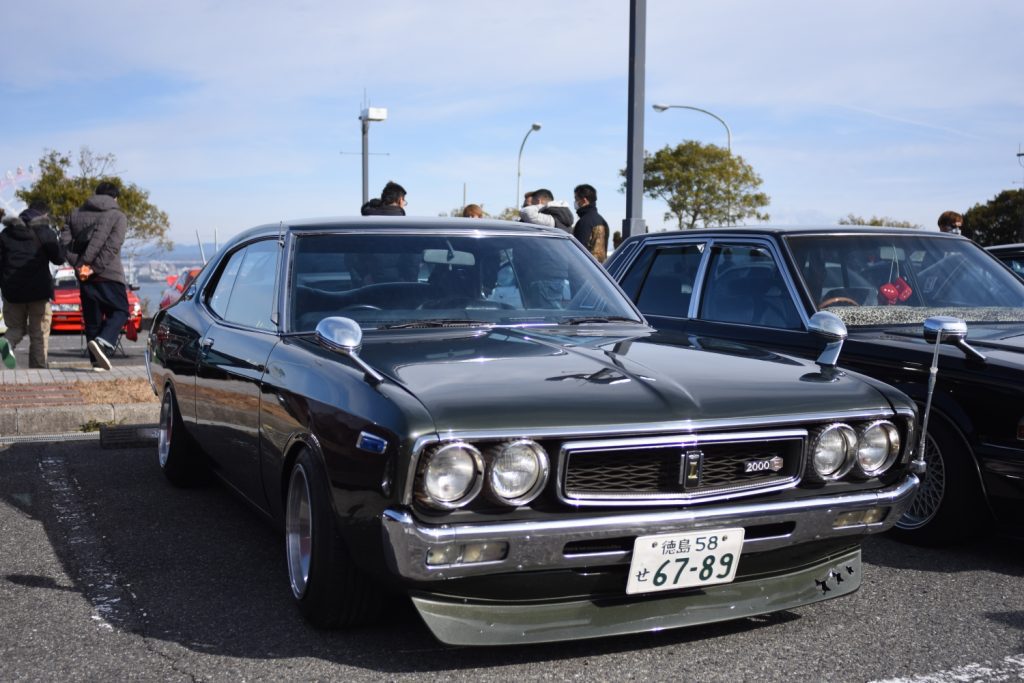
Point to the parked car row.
(475, 415)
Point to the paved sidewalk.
(46, 402)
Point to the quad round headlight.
(518, 472)
(452, 475)
(877, 447)
(832, 451)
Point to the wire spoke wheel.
(931, 492)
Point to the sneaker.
(97, 368)
(7, 355)
(97, 352)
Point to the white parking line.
(1010, 669)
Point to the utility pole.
(633, 223)
(1020, 160)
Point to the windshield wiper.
(436, 322)
(599, 319)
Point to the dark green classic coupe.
(473, 414)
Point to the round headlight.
(518, 472)
(832, 450)
(451, 475)
(877, 448)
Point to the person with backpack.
(27, 246)
(93, 237)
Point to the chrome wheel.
(929, 496)
(298, 531)
(166, 431)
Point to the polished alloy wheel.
(164, 434)
(298, 531)
(929, 495)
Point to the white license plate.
(699, 558)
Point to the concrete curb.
(59, 419)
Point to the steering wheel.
(838, 300)
(362, 307)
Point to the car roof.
(806, 230)
(1019, 246)
(398, 224)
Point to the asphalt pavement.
(107, 572)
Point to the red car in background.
(67, 305)
(176, 284)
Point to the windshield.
(890, 279)
(389, 280)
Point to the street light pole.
(1020, 233)
(519, 161)
(728, 133)
(367, 115)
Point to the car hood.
(1002, 342)
(553, 378)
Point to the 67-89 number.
(673, 569)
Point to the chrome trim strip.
(149, 371)
(540, 544)
(463, 622)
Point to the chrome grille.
(679, 469)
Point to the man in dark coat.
(27, 246)
(391, 203)
(591, 229)
(93, 238)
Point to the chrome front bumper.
(541, 544)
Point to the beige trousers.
(32, 318)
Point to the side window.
(222, 290)
(744, 285)
(669, 283)
(244, 292)
(252, 297)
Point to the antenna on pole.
(201, 252)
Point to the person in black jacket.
(591, 229)
(391, 203)
(27, 246)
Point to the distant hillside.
(180, 252)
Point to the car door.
(734, 289)
(232, 360)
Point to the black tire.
(949, 506)
(329, 591)
(177, 453)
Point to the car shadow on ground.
(200, 569)
(987, 552)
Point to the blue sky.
(234, 114)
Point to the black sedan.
(762, 285)
(1010, 254)
(472, 413)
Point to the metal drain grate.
(49, 438)
(128, 436)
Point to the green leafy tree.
(703, 185)
(998, 221)
(64, 190)
(877, 221)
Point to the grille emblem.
(773, 464)
(690, 468)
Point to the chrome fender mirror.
(345, 337)
(941, 329)
(829, 328)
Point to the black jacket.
(374, 207)
(561, 214)
(26, 250)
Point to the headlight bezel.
(469, 494)
(892, 435)
(848, 436)
(543, 469)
